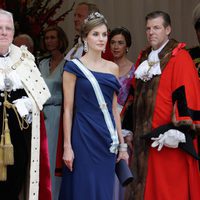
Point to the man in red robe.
(166, 116)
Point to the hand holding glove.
(170, 138)
(23, 105)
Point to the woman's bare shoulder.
(113, 67)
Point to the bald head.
(82, 11)
(24, 39)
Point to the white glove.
(23, 105)
(170, 138)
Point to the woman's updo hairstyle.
(123, 31)
(93, 20)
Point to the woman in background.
(120, 42)
(55, 42)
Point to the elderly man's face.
(80, 14)
(6, 32)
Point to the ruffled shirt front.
(150, 67)
(7, 73)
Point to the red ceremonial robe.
(172, 173)
(172, 97)
(45, 180)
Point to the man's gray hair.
(8, 14)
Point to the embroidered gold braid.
(75, 50)
(6, 147)
(151, 64)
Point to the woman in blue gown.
(89, 168)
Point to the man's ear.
(168, 30)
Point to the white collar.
(7, 53)
(80, 41)
(160, 49)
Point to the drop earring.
(85, 46)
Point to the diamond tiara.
(92, 16)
